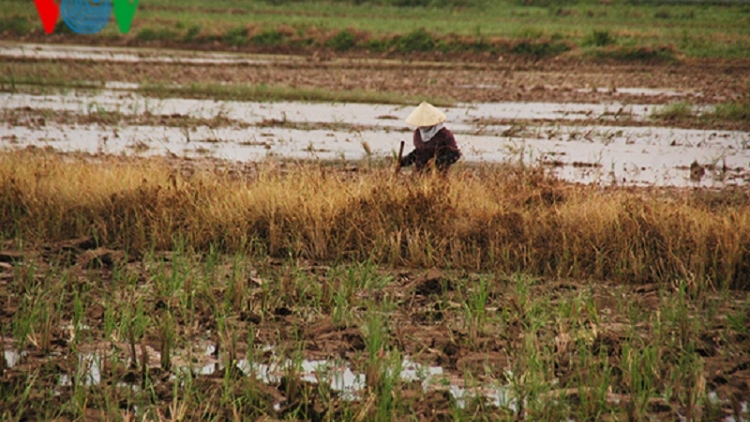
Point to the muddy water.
(560, 136)
(120, 55)
(337, 375)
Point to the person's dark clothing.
(442, 148)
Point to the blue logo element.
(86, 16)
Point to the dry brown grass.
(499, 218)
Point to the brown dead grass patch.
(501, 218)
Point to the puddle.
(89, 371)
(434, 378)
(12, 357)
(339, 377)
(349, 384)
(744, 415)
(497, 396)
(603, 154)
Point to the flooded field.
(602, 134)
(608, 143)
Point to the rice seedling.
(475, 305)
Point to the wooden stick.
(398, 160)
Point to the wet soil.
(427, 323)
(460, 78)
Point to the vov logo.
(86, 16)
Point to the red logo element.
(49, 11)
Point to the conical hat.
(425, 115)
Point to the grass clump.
(236, 37)
(418, 40)
(663, 54)
(733, 110)
(192, 33)
(15, 25)
(539, 48)
(733, 114)
(674, 111)
(160, 34)
(599, 39)
(268, 38)
(343, 40)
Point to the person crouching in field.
(434, 144)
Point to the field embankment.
(620, 31)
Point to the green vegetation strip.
(225, 92)
(263, 92)
(731, 111)
(618, 29)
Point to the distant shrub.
(407, 3)
(645, 54)
(417, 40)
(539, 49)
(530, 33)
(301, 42)
(662, 14)
(599, 39)
(62, 28)
(378, 45)
(441, 4)
(161, 34)
(479, 45)
(16, 25)
(561, 11)
(456, 3)
(192, 33)
(547, 3)
(342, 41)
(236, 36)
(268, 38)
(690, 14)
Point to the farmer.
(434, 144)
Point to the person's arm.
(448, 152)
(448, 140)
(412, 156)
(409, 159)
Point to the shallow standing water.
(558, 135)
